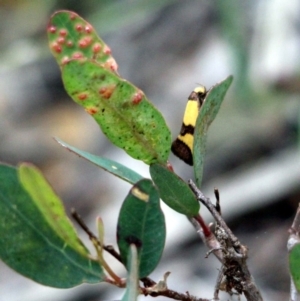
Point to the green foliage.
(123, 112)
(36, 238)
(71, 37)
(174, 191)
(141, 222)
(207, 114)
(108, 165)
(132, 289)
(294, 262)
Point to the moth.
(182, 147)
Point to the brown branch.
(234, 270)
(148, 282)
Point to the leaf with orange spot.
(72, 37)
(122, 111)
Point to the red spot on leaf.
(91, 110)
(61, 40)
(52, 29)
(69, 43)
(111, 64)
(107, 91)
(106, 50)
(77, 55)
(73, 16)
(79, 27)
(63, 32)
(88, 29)
(82, 96)
(97, 47)
(85, 42)
(137, 97)
(65, 60)
(56, 47)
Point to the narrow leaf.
(49, 205)
(31, 246)
(141, 222)
(294, 262)
(71, 37)
(122, 111)
(132, 289)
(111, 166)
(207, 114)
(174, 191)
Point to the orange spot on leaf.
(56, 47)
(79, 27)
(63, 32)
(52, 29)
(61, 40)
(107, 91)
(88, 29)
(85, 42)
(65, 60)
(97, 47)
(82, 96)
(111, 64)
(137, 97)
(106, 50)
(91, 110)
(77, 55)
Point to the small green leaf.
(30, 243)
(132, 288)
(111, 166)
(71, 37)
(294, 262)
(207, 114)
(174, 191)
(49, 205)
(122, 111)
(141, 222)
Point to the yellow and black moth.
(182, 147)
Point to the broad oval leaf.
(71, 37)
(31, 245)
(207, 114)
(122, 111)
(294, 263)
(111, 166)
(50, 205)
(141, 222)
(174, 191)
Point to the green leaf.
(111, 166)
(174, 191)
(207, 114)
(132, 288)
(50, 206)
(122, 111)
(30, 243)
(141, 222)
(71, 37)
(294, 262)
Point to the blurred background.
(166, 48)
